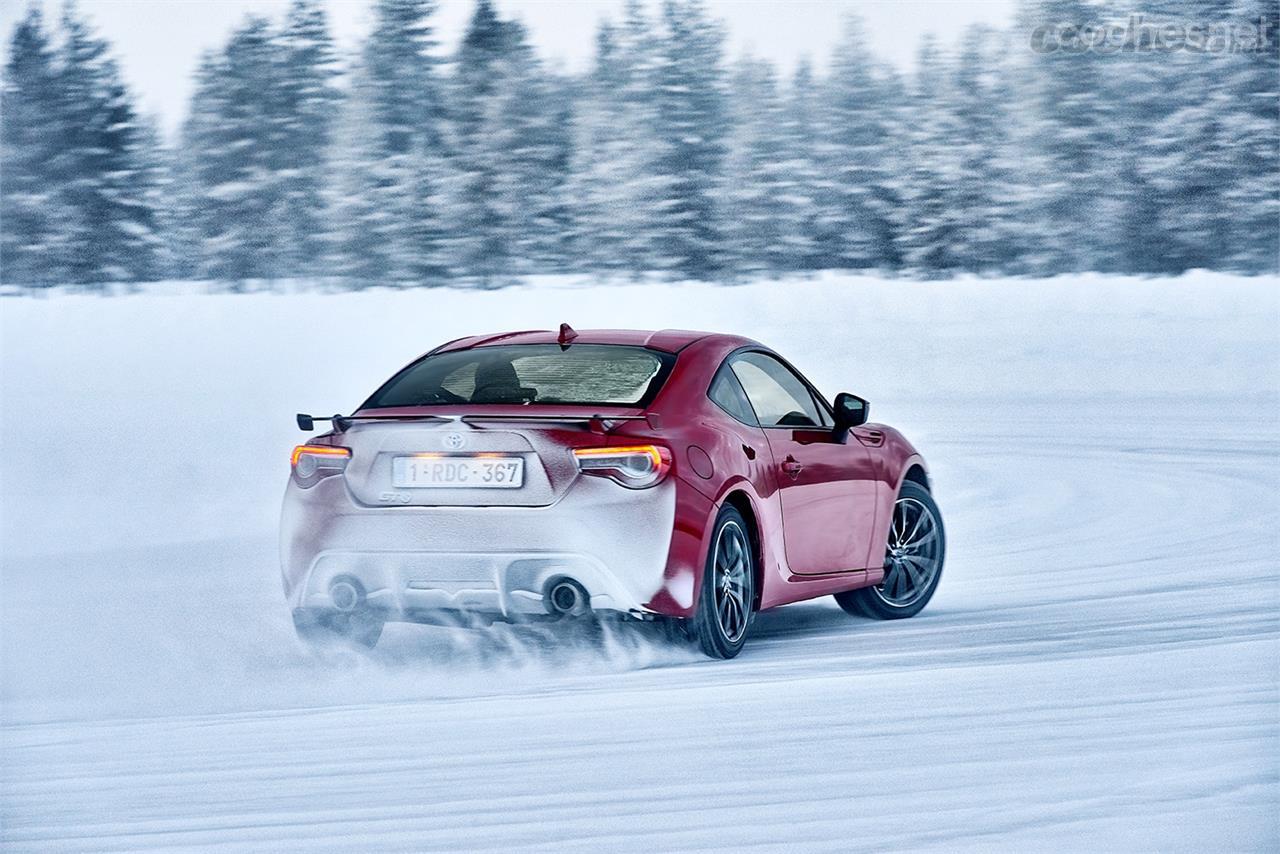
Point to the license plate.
(431, 472)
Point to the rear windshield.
(584, 374)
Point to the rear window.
(584, 374)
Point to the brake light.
(311, 463)
(633, 466)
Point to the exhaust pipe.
(565, 596)
(346, 593)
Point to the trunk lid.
(544, 445)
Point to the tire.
(723, 616)
(333, 628)
(914, 556)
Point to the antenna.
(567, 335)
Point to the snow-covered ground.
(1099, 670)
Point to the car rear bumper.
(612, 541)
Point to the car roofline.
(652, 340)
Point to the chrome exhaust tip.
(346, 594)
(565, 596)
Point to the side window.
(778, 396)
(726, 392)
(825, 416)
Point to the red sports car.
(673, 475)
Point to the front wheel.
(728, 588)
(912, 560)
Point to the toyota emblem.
(454, 441)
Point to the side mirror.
(851, 411)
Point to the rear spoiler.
(595, 423)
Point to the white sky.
(159, 42)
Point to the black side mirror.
(851, 411)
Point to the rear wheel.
(728, 588)
(912, 561)
(336, 628)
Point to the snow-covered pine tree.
(233, 144)
(691, 112)
(800, 138)
(394, 228)
(989, 190)
(308, 101)
(595, 240)
(760, 205)
(532, 138)
(1129, 220)
(511, 154)
(479, 246)
(1075, 142)
(99, 165)
(934, 217)
(34, 243)
(860, 196)
(1198, 155)
(362, 245)
(1253, 199)
(613, 183)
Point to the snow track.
(1099, 670)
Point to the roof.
(667, 340)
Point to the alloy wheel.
(912, 558)
(730, 582)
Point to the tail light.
(311, 463)
(633, 466)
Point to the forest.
(412, 163)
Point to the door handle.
(874, 438)
(749, 451)
(791, 467)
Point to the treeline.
(403, 165)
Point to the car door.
(827, 486)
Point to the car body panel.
(828, 498)
(636, 551)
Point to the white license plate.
(428, 472)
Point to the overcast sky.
(159, 42)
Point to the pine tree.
(1253, 198)
(763, 193)
(691, 108)
(861, 196)
(531, 136)
(233, 140)
(800, 138)
(988, 192)
(479, 246)
(613, 185)
(935, 220)
(1075, 141)
(307, 104)
(33, 243)
(393, 170)
(511, 154)
(99, 165)
(1209, 164)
